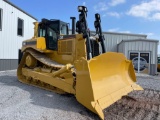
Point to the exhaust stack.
(73, 24)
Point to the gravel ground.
(150, 82)
(23, 102)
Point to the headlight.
(80, 8)
(24, 43)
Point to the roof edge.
(132, 34)
(118, 33)
(20, 9)
(146, 40)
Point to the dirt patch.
(137, 105)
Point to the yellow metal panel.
(80, 48)
(66, 54)
(35, 29)
(41, 43)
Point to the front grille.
(65, 46)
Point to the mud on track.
(138, 105)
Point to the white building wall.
(10, 42)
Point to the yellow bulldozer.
(72, 63)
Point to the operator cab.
(51, 31)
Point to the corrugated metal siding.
(8, 64)
(9, 41)
(111, 40)
(142, 46)
(120, 48)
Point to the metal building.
(112, 39)
(15, 26)
(142, 52)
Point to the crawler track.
(46, 62)
(138, 105)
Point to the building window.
(20, 27)
(0, 19)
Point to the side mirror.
(68, 26)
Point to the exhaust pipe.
(73, 24)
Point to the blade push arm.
(98, 27)
(82, 27)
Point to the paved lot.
(23, 102)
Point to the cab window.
(42, 31)
(63, 30)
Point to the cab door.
(51, 39)
(50, 36)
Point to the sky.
(126, 16)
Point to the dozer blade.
(103, 80)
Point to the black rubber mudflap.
(20, 54)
